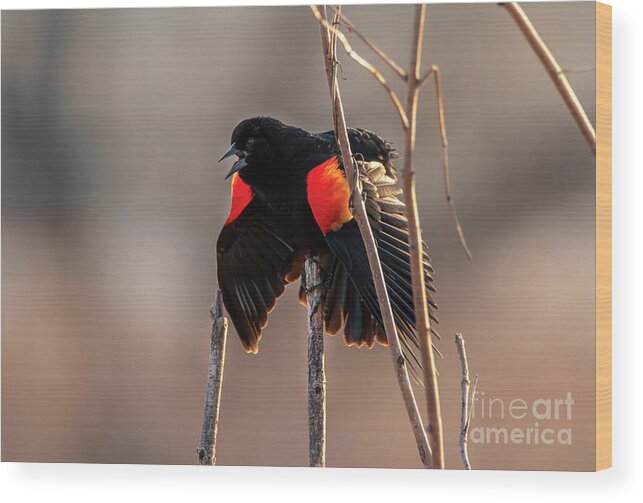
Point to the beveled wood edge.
(603, 397)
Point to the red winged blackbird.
(290, 198)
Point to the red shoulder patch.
(328, 195)
(242, 194)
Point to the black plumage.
(261, 250)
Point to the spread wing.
(254, 264)
(361, 318)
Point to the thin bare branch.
(333, 29)
(361, 217)
(465, 385)
(579, 69)
(435, 71)
(422, 321)
(207, 447)
(332, 55)
(555, 72)
(423, 80)
(312, 283)
(371, 45)
(471, 396)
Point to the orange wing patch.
(328, 195)
(242, 194)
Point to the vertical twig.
(207, 447)
(422, 322)
(465, 410)
(555, 72)
(435, 71)
(371, 249)
(316, 372)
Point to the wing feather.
(386, 212)
(252, 263)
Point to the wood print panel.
(112, 200)
(603, 236)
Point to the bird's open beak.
(240, 164)
(231, 151)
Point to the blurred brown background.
(112, 121)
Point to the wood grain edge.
(603, 236)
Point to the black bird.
(290, 197)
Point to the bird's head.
(258, 143)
